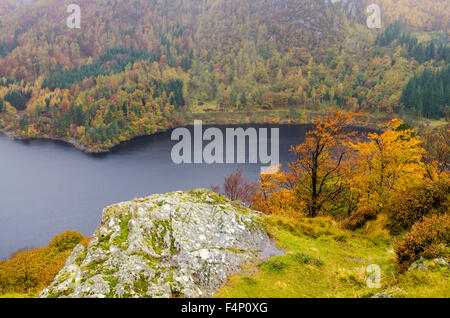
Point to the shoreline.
(71, 141)
(67, 140)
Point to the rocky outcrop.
(424, 264)
(393, 292)
(172, 245)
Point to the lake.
(48, 187)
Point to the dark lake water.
(48, 187)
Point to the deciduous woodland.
(138, 67)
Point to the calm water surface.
(48, 187)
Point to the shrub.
(414, 204)
(307, 259)
(249, 280)
(359, 218)
(429, 239)
(66, 241)
(273, 266)
(31, 270)
(236, 187)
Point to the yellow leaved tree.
(386, 163)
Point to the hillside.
(139, 67)
(199, 244)
(324, 261)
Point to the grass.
(432, 283)
(322, 260)
(16, 295)
(210, 113)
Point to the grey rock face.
(423, 264)
(173, 245)
(391, 293)
(440, 261)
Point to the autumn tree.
(29, 270)
(318, 173)
(236, 187)
(274, 195)
(66, 241)
(437, 144)
(386, 163)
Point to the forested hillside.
(137, 67)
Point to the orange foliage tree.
(317, 178)
(31, 270)
(387, 163)
(318, 174)
(274, 193)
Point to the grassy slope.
(15, 295)
(211, 114)
(322, 260)
(339, 271)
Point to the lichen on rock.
(182, 244)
